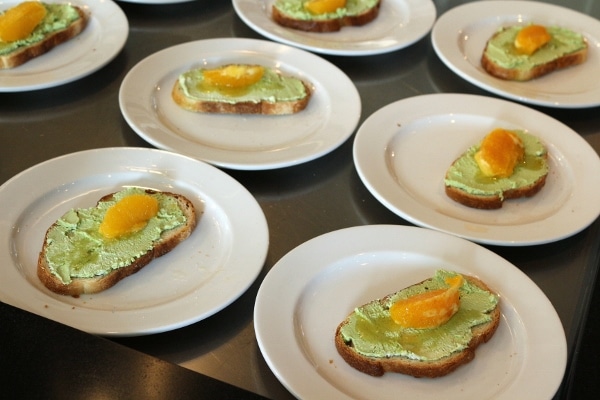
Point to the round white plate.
(399, 24)
(315, 286)
(248, 142)
(201, 276)
(459, 37)
(96, 46)
(403, 150)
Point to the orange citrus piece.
(499, 153)
(323, 6)
(531, 38)
(128, 215)
(428, 309)
(234, 76)
(18, 22)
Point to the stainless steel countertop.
(300, 202)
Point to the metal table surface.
(300, 202)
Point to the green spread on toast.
(58, 17)
(374, 334)
(501, 49)
(272, 87)
(465, 174)
(295, 9)
(75, 248)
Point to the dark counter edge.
(43, 359)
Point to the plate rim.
(490, 9)
(109, 51)
(215, 183)
(352, 105)
(428, 5)
(501, 236)
(365, 238)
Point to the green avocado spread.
(465, 174)
(58, 16)
(272, 87)
(295, 9)
(373, 333)
(501, 49)
(75, 248)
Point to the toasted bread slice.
(551, 57)
(494, 201)
(24, 53)
(465, 184)
(85, 285)
(266, 103)
(378, 366)
(328, 23)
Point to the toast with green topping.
(373, 342)
(89, 250)
(240, 89)
(318, 16)
(540, 54)
(59, 24)
(466, 184)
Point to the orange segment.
(499, 153)
(233, 76)
(128, 215)
(18, 22)
(531, 38)
(428, 309)
(324, 6)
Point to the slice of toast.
(551, 57)
(328, 23)
(24, 53)
(465, 184)
(269, 102)
(378, 366)
(86, 285)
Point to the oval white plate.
(248, 142)
(399, 24)
(96, 46)
(403, 150)
(201, 276)
(459, 37)
(316, 285)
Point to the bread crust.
(26, 53)
(495, 201)
(515, 74)
(327, 25)
(165, 244)
(243, 107)
(375, 366)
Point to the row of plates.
(206, 272)
(224, 255)
(458, 37)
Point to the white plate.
(399, 24)
(403, 150)
(459, 37)
(201, 276)
(96, 46)
(249, 142)
(314, 287)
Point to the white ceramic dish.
(96, 46)
(316, 285)
(198, 278)
(459, 37)
(249, 142)
(403, 150)
(399, 24)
